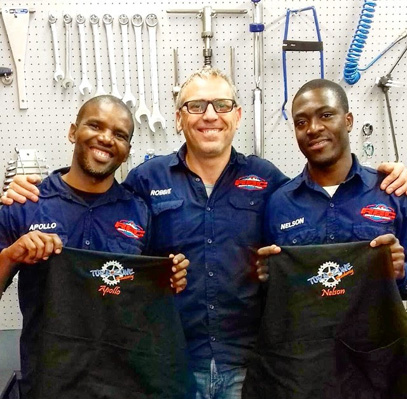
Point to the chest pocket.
(245, 218)
(170, 226)
(304, 236)
(124, 245)
(368, 232)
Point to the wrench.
(68, 80)
(128, 97)
(108, 22)
(94, 21)
(137, 22)
(85, 84)
(156, 117)
(58, 74)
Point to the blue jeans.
(214, 385)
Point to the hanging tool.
(94, 21)
(137, 22)
(206, 14)
(297, 45)
(128, 97)
(108, 22)
(68, 79)
(177, 87)
(368, 147)
(257, 28)
(385, 82)
(16, 22)
(58, 74)
(156, 117)
(351, 72)
(6, 75)
(85, 84)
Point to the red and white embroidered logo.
(129, 229)
(379, 213)
(251, 183)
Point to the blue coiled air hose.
(351, 71)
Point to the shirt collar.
(357, 171)
(180, 156)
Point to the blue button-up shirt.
(221, 307)
(302, 213)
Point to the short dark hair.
(109, 99)
(326, 84)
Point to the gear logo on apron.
(112, 273)
(330, 275)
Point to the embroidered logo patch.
(251, 183)
(330, 275)
(379, 213)
(112, 273)
(129, 229)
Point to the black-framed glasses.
(221, 105)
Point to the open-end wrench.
(137, 22)
(94, 21)
(68, 80)
(156, 117)
(128, 97)
(85, 84)
(108, 22)
(58, 74)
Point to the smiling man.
(84, 209)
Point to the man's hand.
(178, 279)
(397, 252)
(396, 181)
(33, 247)
(262, 267)
(22, 188)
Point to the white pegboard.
(44, 125)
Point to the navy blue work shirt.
(115, 221)
(220, 308)
(302, 213)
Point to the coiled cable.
(351, 71)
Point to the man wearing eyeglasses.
(207, 202)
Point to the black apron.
(334, 327)
(109, 329)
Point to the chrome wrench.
(156, 117)
(94, 21)
(137, 22)
(85, 84)
(58, 74)
(128, 97)
(68, 80)
(108, 22)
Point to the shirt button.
(197, 179)
(90, 210)
(87, 242)
(251, 202)
(208, 208)
(211, 307)
(295, 241)
(209, 241)
(331, 236)
(210, 274)
(331, 205)
(213, 339)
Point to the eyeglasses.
(221, 106)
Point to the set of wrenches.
(85, 87)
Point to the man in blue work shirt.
(84, 208)
(208, 202)
(334, 199)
